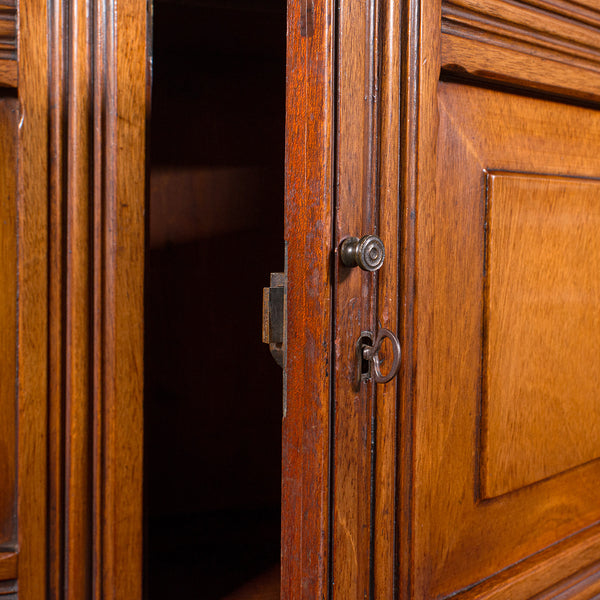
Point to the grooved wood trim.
(583, 585)
(567, 562)
(98, 93)
(8, 43)
(551, 45)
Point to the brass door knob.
(368, 252)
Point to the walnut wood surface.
(385, 443)
(355, 299)
(80, 255)
(541, 329)
(549, 46)
(9, 116)
(465, 537)
(448, 140)
(308, 227)
(8, 565)
(32, 281)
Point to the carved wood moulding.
(549, 45)
(8, 43)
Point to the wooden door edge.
(308, 234)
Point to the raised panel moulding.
(541, 363)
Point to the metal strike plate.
(274, 316)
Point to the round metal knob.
(367, 253)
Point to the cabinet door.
(499, 495)
(466, 134)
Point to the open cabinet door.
(466, 136)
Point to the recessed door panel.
(541, 327)
(505, 443)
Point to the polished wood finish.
(356, 215)
(481, 130)
(536, 529)
(32, 311)
(9, 116)
(308, 227)
(542, 45)
(80, 147)
(8, 565)
(541, 329)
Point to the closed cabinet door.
(466, 137)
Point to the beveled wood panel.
(8, 43)
(9, 118)
(540, 44)
(530, 538)
(542, 329)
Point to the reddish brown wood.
(56, 426)
(541, 45)
(384, 534)
(121, 447)
(9, 116)
(308, 230)
(8, 565)
(67, 273)
(8, 72)
(32, 282)
(356, 215)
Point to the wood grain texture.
(308, 233)
(32, 316)
(465, 538)
(9, 115)
(8, 565)
(549, 46)
(541, 327)
(80, 256)
(384, 550)
(355, 299)
(8, 72)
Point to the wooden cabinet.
(466, 135)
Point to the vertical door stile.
(357, 211)
(306, 425)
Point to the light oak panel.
(462, 539)
(542, 326)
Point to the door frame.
(83, 89)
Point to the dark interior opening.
(213, 392)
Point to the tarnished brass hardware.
(369, 363)
(368, 252)
(274, 317)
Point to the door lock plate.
(274, 319)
